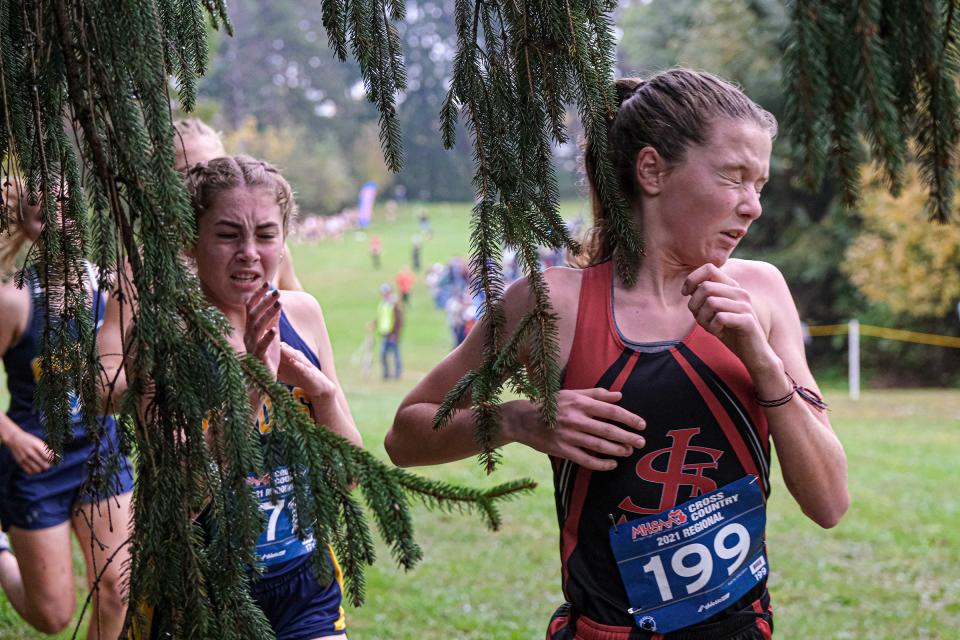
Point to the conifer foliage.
(95, 74)
(517, 67)
(884, 71)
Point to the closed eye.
(730, 178)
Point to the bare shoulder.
(757, 277)
(563, 292)
(768, 291)
(304, 313)
(563, 286)
(14, 312)
(298, 302)
(13, 301)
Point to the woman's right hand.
(31, 453)
(261, 335)
(583, 428)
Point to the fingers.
(713, 305)
(297, 369)
(263, 343)
(708, 291)
(599, 393)
(599, 403)
(708, 272)
(726, 320)
(585, 432)
(263, 315)
(584, 459)
(263, 312)
(293, 356)
(607, 439)
(36, 458)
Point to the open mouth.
(735, 234)
(245, 277)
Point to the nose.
(750, 206)
(247, 250)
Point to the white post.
(853, 345)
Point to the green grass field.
(891, 569)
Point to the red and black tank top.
(704, 430)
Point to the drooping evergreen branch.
(375, 43)
(516, 68)
(843, 88)
(105, 67)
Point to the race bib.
(685, 564)
(279, 541)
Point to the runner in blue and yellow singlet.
(41, 502)
(673, 384)
(243, 208)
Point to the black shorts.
(753, 622)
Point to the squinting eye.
(733, 179)
(227, 236)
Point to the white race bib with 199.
(685, 564)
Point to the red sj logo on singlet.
(677, 472)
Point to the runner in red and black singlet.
(704, 430)
(677, 377)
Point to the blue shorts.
(297, 606)
(48, 498)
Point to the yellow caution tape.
(890, 334)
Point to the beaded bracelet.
(808, 396)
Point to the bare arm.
(29, 451)
(812, 460)
(322, 386)
(582, 431)
(117, 320)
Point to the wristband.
(808, 396)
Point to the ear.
(650, 169)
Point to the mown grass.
(891, 569)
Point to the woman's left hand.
(261, 335)
(724, 308)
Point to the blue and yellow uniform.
(297, 606)
(295, 603)
(48, 498)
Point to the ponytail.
(598, 241)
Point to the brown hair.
(190, 130)
(206, 180)
(671, 111)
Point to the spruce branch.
(107, 67)
(840, 90)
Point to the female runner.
(244, 207)
(41, 502)
(672, 386)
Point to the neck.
(659, 279)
